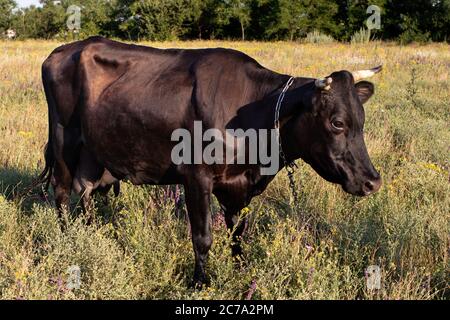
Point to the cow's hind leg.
(87, 202)
(198, 195)
(66, 153)
(87, 179)
(62, 184)
(103, 191)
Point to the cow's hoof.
(240, 262)
(63, 224)
(199, 284)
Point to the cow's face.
(337, 150)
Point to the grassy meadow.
(139, 248)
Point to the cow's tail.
(46, 175)
(49, 156)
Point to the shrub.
(318, 37)
(361, 36)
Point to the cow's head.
(332, 138)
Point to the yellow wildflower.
(26, 134)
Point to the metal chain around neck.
(290, 166)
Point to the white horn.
(364, 74)
(324, 84)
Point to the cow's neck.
(250, 117)
(261, 114)
(293, 102)
(294, 105)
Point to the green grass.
(138, 248)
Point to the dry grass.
(137, 251)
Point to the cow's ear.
(365, 90)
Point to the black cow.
(123, 102)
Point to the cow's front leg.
(236, 225)
(198, 194)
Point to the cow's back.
(221, 80)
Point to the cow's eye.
(337, 125)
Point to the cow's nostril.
(369, 186)
(372, 186)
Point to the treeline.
(404, 20)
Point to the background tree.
(420, 20)
(203, 24)
(50, 20)
(6, 14)
(441, 21)
(44, 22)
(158, 19)
(292, 19)
(95, 16)
(239, 10)
(404, 20)
(264, 13)
(295, 18)
(357, 16)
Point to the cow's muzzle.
(372, 186)
(364, 188)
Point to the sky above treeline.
(26, 3)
